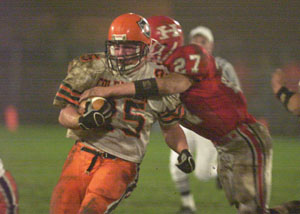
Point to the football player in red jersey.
(204, 151)
(8, 192)
(215, 109)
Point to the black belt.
(97, 154)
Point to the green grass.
(35, 155)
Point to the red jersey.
(217, 104)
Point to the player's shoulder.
(221, 61)
(154, 69)
(84, 71)
(185, 52)
(191, 60)
(88, 61)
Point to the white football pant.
(205, 156)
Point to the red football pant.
(92, 193)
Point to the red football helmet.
(128, 42)
(166, 35)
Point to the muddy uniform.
(107, 179)
(205, 151)
(217, 110)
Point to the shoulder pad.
(83, 71)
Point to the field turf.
(35, 155)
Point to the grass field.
(35, 155)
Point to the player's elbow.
(169, 89)
(61, 119)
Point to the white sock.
(188, 201)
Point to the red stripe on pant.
(259, 158)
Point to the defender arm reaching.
(170, 84)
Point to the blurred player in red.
(8, 192)
(215, 109)
(102, 167)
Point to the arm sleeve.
(80, 77)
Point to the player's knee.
(94, 203)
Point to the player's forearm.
(121, 90)
(69, 117)
(173, 84)
(175, 138)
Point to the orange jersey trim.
(72, 93)
(69, 100)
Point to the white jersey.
(1, 168)
(132, 121)
(228, 71)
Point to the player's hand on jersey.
(278, 80)
(97, 91)
(93, 118)
(186, 162)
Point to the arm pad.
(146, 88)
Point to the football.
(95, 102)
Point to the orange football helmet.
(128, 42)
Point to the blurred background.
(39, 38)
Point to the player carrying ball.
(102, 168)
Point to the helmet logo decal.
(121, 37)
(164, 31)
(144, 27)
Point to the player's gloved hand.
(186, 162)
(95, 118)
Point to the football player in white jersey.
(8, 192)
(102, 167)
(204, 151)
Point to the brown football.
(96, 102)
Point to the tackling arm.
(170, 84)
(173, 83)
